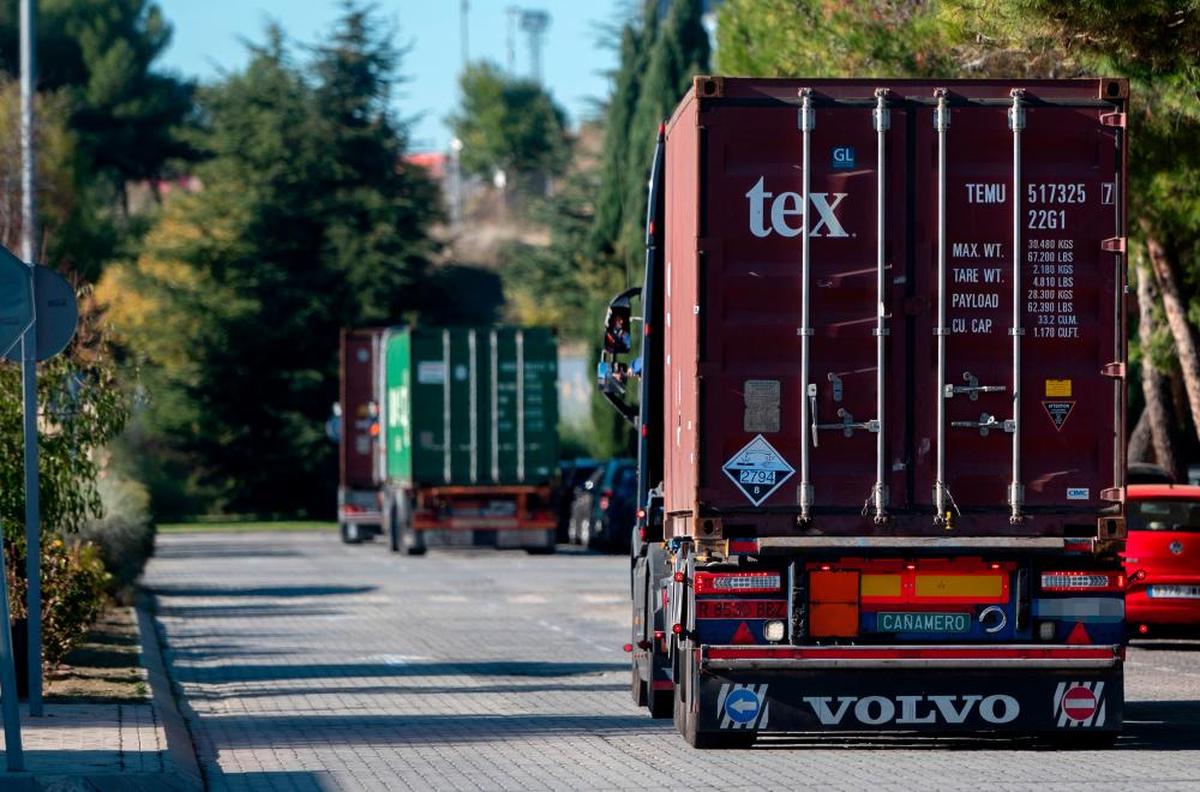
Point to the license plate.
(741, 609)
(923, 622)
(1176, 592)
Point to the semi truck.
(880, 401)
(450, 436)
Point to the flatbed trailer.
(882, 410)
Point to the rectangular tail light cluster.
(737, 582)
(1083, 581)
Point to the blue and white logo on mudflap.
(742, 706)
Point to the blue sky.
(209, 34)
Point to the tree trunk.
(1154, 384)
(1141, 447)
(1176, 311)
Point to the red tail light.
(605, 499)
(737, 582)
(1083, 581)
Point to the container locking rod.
(1016, 122)
(806, 127)
(941, 120)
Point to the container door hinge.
(1115, 370)
(1113, 494)
(1113, 245)
(1113, 120)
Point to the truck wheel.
(412, 542)
(351, 534)
(661, 703)
(391, 523)
(637, 687)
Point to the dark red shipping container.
(939, 181)
(360, 452)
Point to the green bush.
(124, 535)
(74, 585)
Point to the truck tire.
(351, 534)
(661, 703)
(391, 523)
(410, 540)
(637, 688)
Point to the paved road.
(310, 665)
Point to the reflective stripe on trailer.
(1023, 656)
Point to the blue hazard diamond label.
(758, 470)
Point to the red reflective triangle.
(743, 635)
(1079, 635)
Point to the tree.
(309, 221)
(100, 55)
(509, 124)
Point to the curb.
(180, 747)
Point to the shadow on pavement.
(179, 550)
(239, 611)
(283, 731)
(407, 690)
(291, 780)
(261, 591)
(500, 668)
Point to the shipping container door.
(754, 383)
(431, 406)
(540, 390)
(397, 413)
(359, 434)
(1060, 179)
(506, 451)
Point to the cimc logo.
(786, 205)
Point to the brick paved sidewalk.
(103, 747)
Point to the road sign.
(1079, 703)
(57, 314)
(742, 705)
(758, 470)
(16, 308)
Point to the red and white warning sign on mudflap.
(1079, 704)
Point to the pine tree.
(308, 221)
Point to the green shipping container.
(470, 406)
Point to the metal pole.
(881, 123)
(33, 544)
(1016, 122)
(806, 127)
(14, 753)
(465, 9)
(942, 123)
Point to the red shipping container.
(955, 213)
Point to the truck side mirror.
(617, 337)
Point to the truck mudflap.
(1028, 690)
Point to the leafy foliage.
(73, 592)
(99, 55)
(309, 220)
(81, 408)
(509, 124)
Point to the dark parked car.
(605, 506)
(572, 473)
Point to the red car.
(1162, 559)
